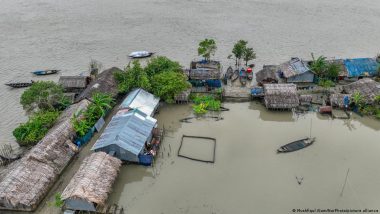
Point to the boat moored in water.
(19, 84)
(45, 72)
(140, 54)
(296, 145)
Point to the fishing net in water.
(197, 148)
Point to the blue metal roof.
(128, 130)
(361, 67)
(142, 100)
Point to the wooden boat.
(235, 75)
(19, 84)
(296, 145)
(243, 77)
(229, 72)
(45, 72)
(140, 54)
(249, 74)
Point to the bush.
(132, 77)
(101, 103)
(36, 128)
(326, 83)
(44, 95)
(160, 64)
(167, 85)
(204, 103)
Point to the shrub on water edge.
(205, 102)
(36, 128)
(132, 77)
(45, 96)
(167, 85)
(161, 64)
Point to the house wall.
(120, 153)
(307, 77)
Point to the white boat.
(140, 54)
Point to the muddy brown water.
(64, 35)
(248, 176)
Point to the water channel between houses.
(248, 176)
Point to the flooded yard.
(248, 176)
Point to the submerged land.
(247, 176)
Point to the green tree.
(43, 95)
(377, 99)
(134, 77)
(318, 66)
(102, 102)
(207, 48)
(358, 99)
(160, 64)
(332, 71)
(35, 129)
(248, 55)
(167, 85)
(238, 51)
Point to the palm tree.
(102, 103)
(318, 66)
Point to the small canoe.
(229, 72)
(45, 72)
(140, 54)
(296, 145)
(243, 77)
(235, 75)
(19, 84)
(249, 74)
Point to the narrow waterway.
(248, 176)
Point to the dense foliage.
(101, 103)
(36, 128)
(133, 77)
(161, 64)
(326, 83)
(167, 85)
(204, 103)
(44, 95)
(58, 201)
(207, 48)
(161, 76)
(323, 69)
(241, 51)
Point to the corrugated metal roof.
(294, 67)
(127, 129)
(361, 67)
(141, 100)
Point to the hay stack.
(94, 179)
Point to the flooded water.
(248, 176)
(64, 35)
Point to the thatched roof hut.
(366, 87)
(267, 75)
(281, 96)
(104, 83)
(204, 74)
(338, 100)
(74, 83)
(91, 184)
(28, 180)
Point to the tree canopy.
(167, 85)
(241, 51)
(248, 55)
(207, 48)
(43, 95)
(323, 69)
(160, 64)
(133, 77)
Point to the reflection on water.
(248, 176)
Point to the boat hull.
(45, 72)
(142, 54)
(296, 145)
